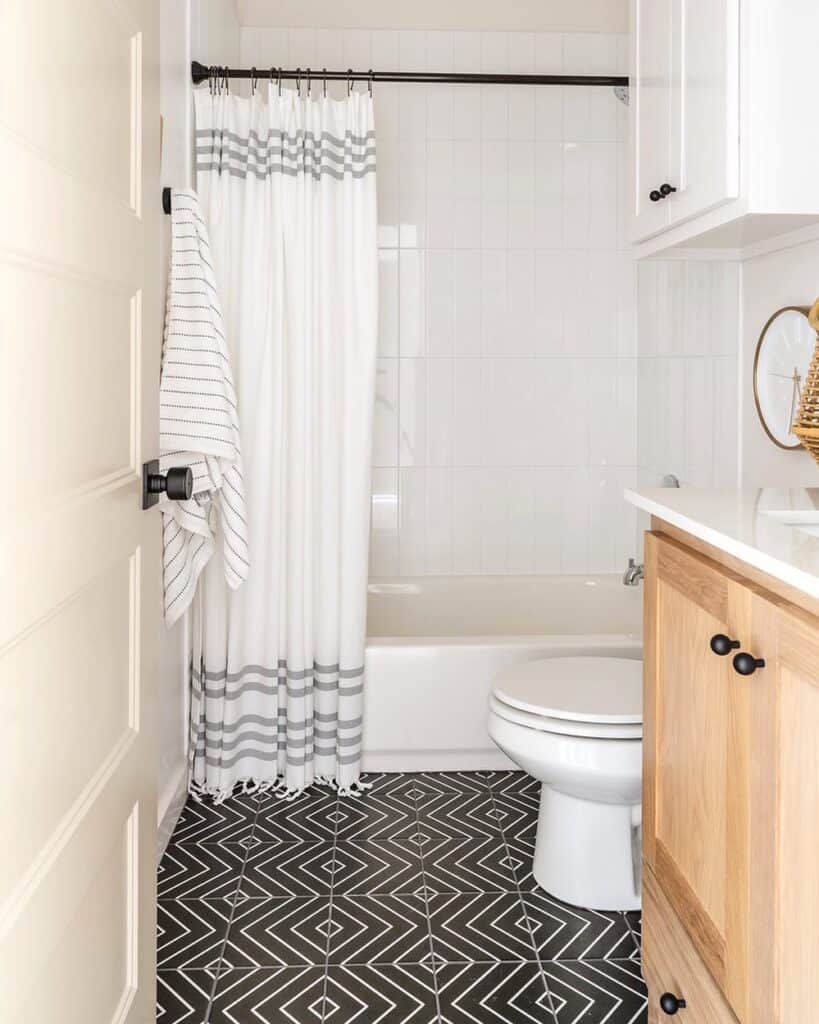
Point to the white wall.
(474, 15)
(688, 345)
(208, 28)
(505, 423)
(786, 278)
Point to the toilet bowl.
(575, 725)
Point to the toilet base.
(588, 853)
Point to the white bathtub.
(435, 643)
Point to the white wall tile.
(440, 412)
(468, 426)
(388, 310)
(521, 53)
(413, 397)
(466, 52)
(495, 52)
(468, 273)
(412, 302)
(548, 53)
(590, 195)
(384, 523)
(385, 418)
(441, 298)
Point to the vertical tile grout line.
(426, 895)
(233, 905)
(330, 910)
(523, 905)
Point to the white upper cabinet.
(722, 100)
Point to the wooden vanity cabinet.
(730, 792)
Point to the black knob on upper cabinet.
(722, 644)
(669, 1003)
(746, 664)
(666, 190)
(655, 196)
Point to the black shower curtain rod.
(201, 73)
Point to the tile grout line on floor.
(520, 897)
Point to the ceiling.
(464, 15)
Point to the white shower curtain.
(287, 186)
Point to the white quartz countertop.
(774, 529)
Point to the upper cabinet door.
(704, 135)
(697, 757)
(651, 102)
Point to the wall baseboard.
(173, 800)
(436, 761)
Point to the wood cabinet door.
(697, 756)
(651, 110)
(784, 930)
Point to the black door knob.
(177, 483)
(746, 664)
(670, 1004)
(722, 644)
(655, 196)
(666, 190)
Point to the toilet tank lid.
(576, 689)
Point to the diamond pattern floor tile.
(379, 866)
(191, 933)
(200, 870)
(278, 995)
(468, 864)
(182, 997)
(564, 932)
(383, 928)
(310, 818)
(414, 902)
(289, 869)
(381, 994)
(493, 994)
(289, 932)
(597, 991)
(479, 926)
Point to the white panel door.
(704, 164)
(79, 559)
(651, 112)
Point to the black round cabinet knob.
(670, 1004)
(177, 483)
(722, 644)
(746, 664)
(655, 196)
(666, 190)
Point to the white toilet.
(575, 725)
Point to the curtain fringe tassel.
(276, 787)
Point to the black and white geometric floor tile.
(412, 904)
(508, 993)
(563, 932)
(289, 932)
(384, 928)
(273, 995)
(479, 926)
(191, 933)
(183, 997)
(596, 991)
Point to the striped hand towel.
(199, 420)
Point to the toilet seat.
(584, 696)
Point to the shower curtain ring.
(280, 81)
(253, 81)
(325, 83)
(349, 81)
(370, 86)
(227, 80)
(210, 79)
(298, 82)
(309, 83)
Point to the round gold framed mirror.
(781, 361)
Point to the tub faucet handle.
(633, 574)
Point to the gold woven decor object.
(806, 426)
